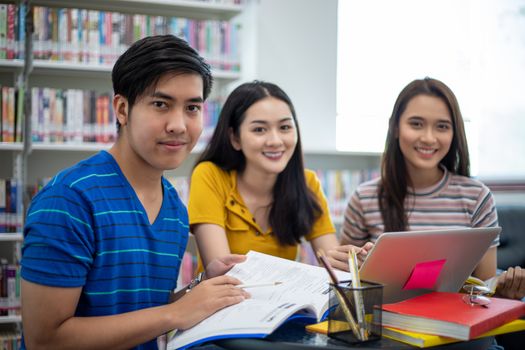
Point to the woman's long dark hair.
(294, 208)
(394, 175)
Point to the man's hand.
(219, 266)
(206, 298)
(511, 283)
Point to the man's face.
(165, 124)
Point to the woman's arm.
(487, 266)
(211, 242)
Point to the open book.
(304, 292)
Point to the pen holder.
(355, 313)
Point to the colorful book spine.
(99, 37)
(338, 186)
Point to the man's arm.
(50, 323)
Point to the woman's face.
(267, 136)
(425, 134)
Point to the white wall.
(297, 50)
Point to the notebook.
(416, 262)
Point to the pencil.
(253, 285)
(358, 297)
(343, 300)
(327, 266)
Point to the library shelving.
(103, 71)
(10, 319)
(11, 237)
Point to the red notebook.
(446, 314)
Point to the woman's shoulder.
(312, 180)
(209, 168)
(369, 186)
(210, 172)
(310, 175)
(466, 182)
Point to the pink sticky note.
(424, 275)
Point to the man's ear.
(120, 106)
(234, 140)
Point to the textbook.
(303, 292)
(448, 315)
(423, 340)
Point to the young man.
(104, 239)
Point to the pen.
(253, 285)
(343, 300)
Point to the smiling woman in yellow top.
(249, 189)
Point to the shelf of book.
(225, 9)
(10, 319)
(11, 146)
(55, 146)
(11, 237)
(45, 67)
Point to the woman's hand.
(511, 283)
(219, 266)
(338, 256)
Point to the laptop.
(453, 253)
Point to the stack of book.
(441, 318)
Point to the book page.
(304, 287)
(302, 283)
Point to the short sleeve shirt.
(87, 228)
(214, 199)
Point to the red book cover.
(447, 314)
(11, 17)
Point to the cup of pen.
(355, 312)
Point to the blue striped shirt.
(87, 228)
